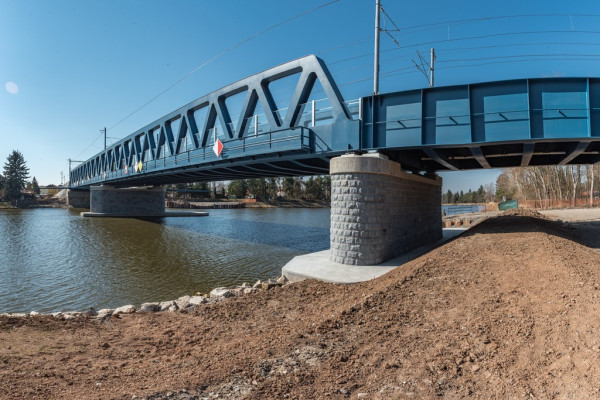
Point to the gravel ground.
(574, 214)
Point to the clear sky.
(69, 68)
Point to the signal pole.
(431, 67)
(376, 61)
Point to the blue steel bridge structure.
(546, 121)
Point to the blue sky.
(69, 68)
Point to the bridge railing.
(315, 113)
(266, 142)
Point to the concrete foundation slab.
(320, 267)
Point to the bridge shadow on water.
(309, 232)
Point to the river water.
(54, 260)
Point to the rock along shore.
(182, 304)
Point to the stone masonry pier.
(129, 202)
(78, 198)
(378, 211)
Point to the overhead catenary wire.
(89, 145)
(425, 27)
(429, 43)
(220, 55)
(459, 49)
(411, 70)
(364, 66)
(481, 19)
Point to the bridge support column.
(378, 211)
(78, 198)
(129, 202)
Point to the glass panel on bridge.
(559, 108)
(453, 124)
(403, 124)
(565, 114)
(506, 117)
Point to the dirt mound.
(524, 212)
(509, 309)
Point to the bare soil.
(509, 309)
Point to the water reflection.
(54, 260)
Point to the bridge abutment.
(109, 201)
(378, 211)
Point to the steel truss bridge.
(547, 121)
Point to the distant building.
(49, 190)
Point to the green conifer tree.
(16, 174)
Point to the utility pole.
(431, 67)
(376, 61)
(104, 131)
(427, 72)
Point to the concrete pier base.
(379, 212)
(320, 267)
(129, 202)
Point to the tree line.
(551, 186)
(269, 189)
(288, 188)
(484, 194)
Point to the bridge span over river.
(382, 150)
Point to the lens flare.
(12, 88)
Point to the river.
(54, 260)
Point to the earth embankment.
(509, 309)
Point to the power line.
(411, 70)
(458, 49)
(491, 35)
(90, 145)
(519, 56)
(463, 21)
(221, 54)
(410, 29)
(366, 65)
(473, 38)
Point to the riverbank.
(246, 203)
(508, 309)
(5, 205)
(31, 203)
